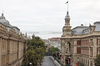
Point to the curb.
(55, 61)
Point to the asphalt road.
(47, 61)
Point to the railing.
(58, 60)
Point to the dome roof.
(67, 16)
(6, 23)
(3, 20)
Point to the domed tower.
(67, 28)
(65, 38)
(3, 20)
(6, 23)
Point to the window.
(78, 50)
(99, 41)
(99, 51)
(79, 42)
(68, 32)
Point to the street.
(47, 61)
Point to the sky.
(45, 18)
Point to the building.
(80, 44)
(12, 44)
(47, 46)
(56, 42)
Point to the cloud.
(48, 15)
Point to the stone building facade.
(80, 44)
(55, 41)
(12, 44)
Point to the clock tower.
(67, 28)
(65, 38)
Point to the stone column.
(68, 47)
(64, 59)
(73, 61)
(89, 52)
(94, 47)
(89, 56)
(8, 51)
(75, 48)
(89, 62)
(0, 51)
(62, 51)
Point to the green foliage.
(80, 64)
(53, 51)
(35, 52)
(66, 65)
(97, 60)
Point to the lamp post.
(77, 61)
(68, 61)
(30, 63)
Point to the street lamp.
(30, 63)
(68, 61)
(77, 61)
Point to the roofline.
(15, 27)
(97, 22)
(11, 26)
(81, 27)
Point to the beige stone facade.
(80, 47)
(12, 46)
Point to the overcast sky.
(48, 15)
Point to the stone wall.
(83, 48)
(12, 47)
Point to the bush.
(97, 60)
(80, 64)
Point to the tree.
(30, 56)
(35, 52)
(97, 60)
(53, 51)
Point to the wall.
(12, 47)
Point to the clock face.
(68, 32)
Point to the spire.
(67, 9)
(67, 28)
(67, 13)
(2, 16)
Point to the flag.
(66, 2)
